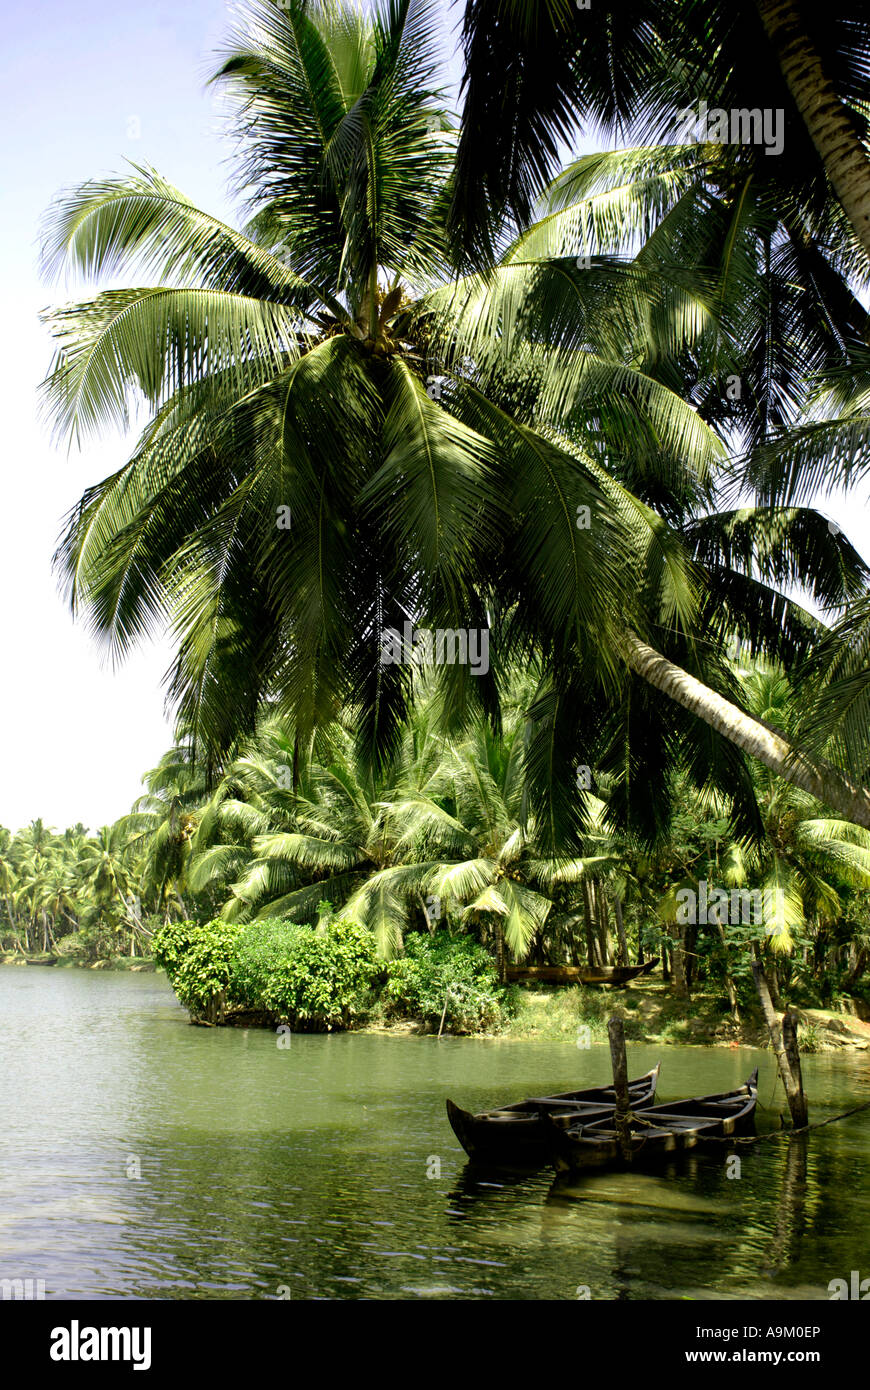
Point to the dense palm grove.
(442, 380)
(444, 844)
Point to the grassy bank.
(652, 1015)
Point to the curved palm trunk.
(825, 116)
(828, 784)
(783, 1038)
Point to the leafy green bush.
(452, 969)
(197, 960)
(315, 976)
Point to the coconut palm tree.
(282, 561)
(299, 490)
(761, 279)
(279, 850)
(107, 870)
(809, 858)
(464, 849)
(162, 825)
(536, 73)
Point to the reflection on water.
(143, 1158)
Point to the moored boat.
(578, 974)
(515, 1136)
(41, 960)
(659, 1133)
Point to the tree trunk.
(602, 922)
(500, 959)
(640, 953)
(773, 985)
(729, 978)
(622, 954)
(690, 954)
(793, 1090)
(792, 1052)
(829, 122)
(678, 962)
(856, 970)
(828, 784)
(592, 951)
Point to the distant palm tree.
(809, 857)
(162, 824)
(106, 868)
(462, 850)
(280, 851)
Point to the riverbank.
(138, 964)
(579, 1015)
(652, 1015)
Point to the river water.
(143, 1158)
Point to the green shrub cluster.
(198, 960)
(445, 969)
(326, 976)
(314, 976)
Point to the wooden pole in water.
(619, 1063)
(784, 1039)
(790, 1040)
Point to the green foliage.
(560, 1015)
(197, 960)
(288, 365)
(447, 969)
(810, 1037)
(314, 977)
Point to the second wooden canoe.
(659, 1133)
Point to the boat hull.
(660, 1134)
(578, 974)
(517, 1136)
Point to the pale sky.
(88, 85)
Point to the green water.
(307, 1171)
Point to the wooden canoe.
(41, 960)
(578, 974)
(659, 1133)
(515, 1136)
